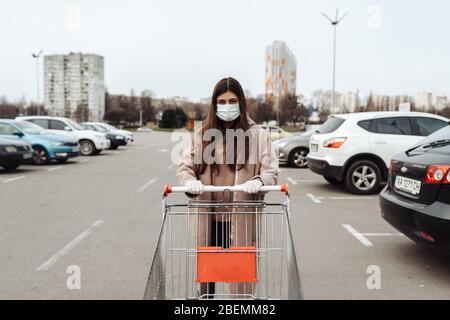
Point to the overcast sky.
(180, 47)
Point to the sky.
(179, 47)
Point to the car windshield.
(110, 127)
(99, 128)
(29, 127)
(74, 125)
(438, 139)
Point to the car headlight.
(10, 149)
(57, 143)
(120, 137)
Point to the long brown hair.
(213, 122)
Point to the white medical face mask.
(228, 112)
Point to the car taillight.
(391, 168)
(438, 174)
(334, 143)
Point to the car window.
(365, 124)
(428, 126)
(7, 129)
(57, 125)
(40, 122)
(394, 125)
(331, 125)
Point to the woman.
(217, 158)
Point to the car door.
(391, 135)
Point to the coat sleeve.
(186, 166)
(269, 161)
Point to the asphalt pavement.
(101, 216)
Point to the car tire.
(297, 158)
(11, 167)
(363, 177)
(332, 181)
(40, 156)
(87, 148)
(114, 147)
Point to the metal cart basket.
(224, 250)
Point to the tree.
(291, 110)
(173, 118)
(264, 112)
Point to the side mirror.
(67, 128)
(18, 134)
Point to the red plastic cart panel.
(221, 265)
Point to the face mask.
(228, 112)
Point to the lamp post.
(334, 24)
(37, 56)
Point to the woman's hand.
(252, 186)
(195, 187)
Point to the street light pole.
(334, 24)
(37, 56)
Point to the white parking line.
(292, 181)
(50, 262)
(14, 179)
(54, 168)
(148, 184)
(313, 198)
(361, 238)
(163, 150)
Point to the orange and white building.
(281, 71)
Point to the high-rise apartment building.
(74, 86)
(281, 71)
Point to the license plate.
(408, 185)
(76, 149)
(314, 147)
(28, 156)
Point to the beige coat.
(243, 224)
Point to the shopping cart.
(225, 249)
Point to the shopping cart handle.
(282, 188)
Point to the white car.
(357, 148)
(91, 142)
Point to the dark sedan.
(13, 153)
(417, 199)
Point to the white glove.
(195, 187)
(252, 186)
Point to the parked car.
(275, 132)
(14, 153)
(47, 147)
(293, 151)
(116, 139)
(91, 142)
(356, 149)
(416, 200)
(129, 135)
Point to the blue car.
(47, 147)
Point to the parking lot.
(103, 214)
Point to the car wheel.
(298, 159)
(87, 148)
(11, 167)
(40, 156)
(113, 147)
(363, 177)
(332, 180)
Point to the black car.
(417, 199)
(13, 153)
(116, 139)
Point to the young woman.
(223, 161)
